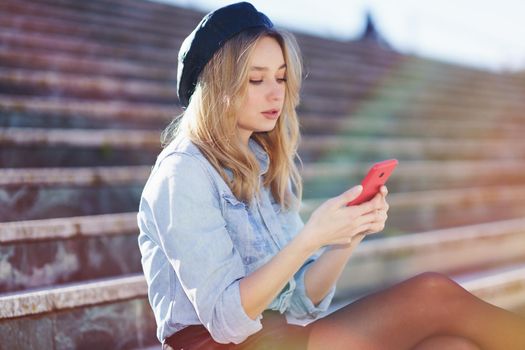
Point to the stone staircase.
(86, 88)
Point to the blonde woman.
(226, 256)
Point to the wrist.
(307, 240)
(348, 246)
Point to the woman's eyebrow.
(266, 68)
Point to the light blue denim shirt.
(197, 241)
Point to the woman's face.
(264, 100)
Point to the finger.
(376, 228)
(369, 218)
(383, 205)
(372, 205)
(384, 191)
(349, 195)
(371, 228)
(374, 217)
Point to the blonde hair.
(210, 123)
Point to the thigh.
(398, 317)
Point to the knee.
(435, 283)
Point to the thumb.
(351, 194)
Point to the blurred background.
(482, 34)
(87, 87)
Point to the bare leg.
(446, 343)
(426, 306)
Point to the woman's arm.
(326, 270)
(262, 286)
(332, 223)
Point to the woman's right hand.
(335, 223)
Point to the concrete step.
(442, 208)
(93, 66)
(62, 177)
(377, 263)
(18, 110)
(387, 86)
(80, 138)
(31, 147)
(341, 149)
(362, 125)
(32, 194)
(22, 82)
(68, 228)
(107, 313)
(49, 252)
(329, 178)
(403, 107)
(442, 82)
(122, 17)
(35, 43)
(333, 50)
(435, 86)
(91, 32)
(72, 295)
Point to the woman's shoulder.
(181, 158)
(177, 147)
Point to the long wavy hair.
(210, 121)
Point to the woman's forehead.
(267, 55)
(265, 68)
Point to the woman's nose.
(276, 91)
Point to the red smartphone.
(376, 177)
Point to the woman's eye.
(257, 82)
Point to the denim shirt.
(198, 240)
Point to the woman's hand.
(381, 213)
(335, 223)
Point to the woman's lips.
(273, 114)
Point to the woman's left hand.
(380, 213)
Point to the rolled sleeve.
(237, 326)
(301, 307)
(193, 235)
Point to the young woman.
(226, 256)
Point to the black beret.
(211, 33)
